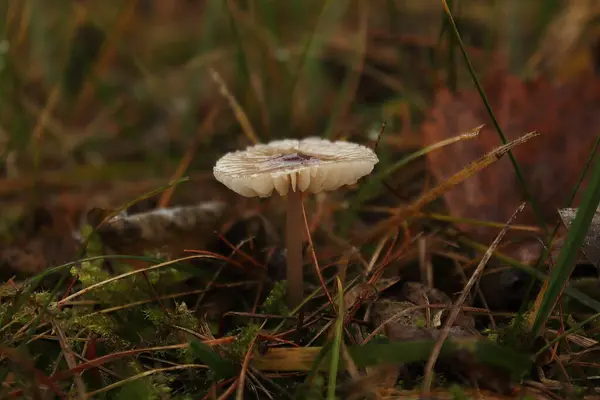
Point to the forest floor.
(463, 266)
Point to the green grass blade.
(575, 328)
(582, 176)
(528, 196)
(479, 350)
(451, 65)
(337, 343)
(484, 351)
(566, 260)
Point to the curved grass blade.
(372, 186)
(535, 309)
(443, 187)
(566, 259)
(536, 273)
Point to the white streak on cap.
(309, 165)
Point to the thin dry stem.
(314, 257)
(443, 187)
(435, 352)
(240, 115)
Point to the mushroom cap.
(309, 165)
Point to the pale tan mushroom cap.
(309, 165)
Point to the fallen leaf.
(566, 117)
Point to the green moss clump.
(167, 276)
(184, 317)
(275, 301)
(102, 325)
(156, 315)
(239, 347)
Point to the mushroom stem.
(293, 243)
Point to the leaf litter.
(215, 321)
(550, 163)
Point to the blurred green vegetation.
(108, 99)
(126, 85)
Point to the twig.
(435, 352)
(238, 111)
(229, 391)
(379, 135)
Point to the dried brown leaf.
(566, 117)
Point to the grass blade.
(443, 187)
(536, 273)
(337, 343)
(370, 188)
(528, 196)
(483, 350)
(565, 263)
(538, 301)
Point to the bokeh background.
(103, 99)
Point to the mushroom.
(292, 167)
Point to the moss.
(167, 276)
(275, 302)
(184, 317)
(239, 347)
(420, 322)
(155, 314)
(101, 325)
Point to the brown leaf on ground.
(566, 117)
